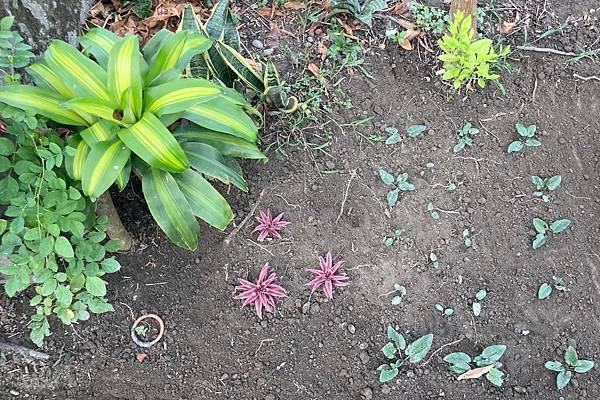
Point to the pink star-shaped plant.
(269, 226)
(327, 276)
(262, 293)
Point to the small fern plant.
(466, 60)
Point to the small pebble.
(351, 328)
(330, 164)
(367, 393)
(268, 52)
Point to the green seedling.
(467, 238)
(542, 228)
(390, 240)
(565, 372)
(434, 260)
(527, 138)
(431, 209)
(446, 312)
(451, 186)
(400, 291)
(428, 166)
(543, 185)
(479, 297)
(429, 19)
(400, 184)
(394, 136)
(141, 330)
(466, 134)
(398, 350)
(488, 363)
(414, 131)
(545, 289)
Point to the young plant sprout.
(572, 363)
(262, 293)
(526, 140)
(269, 226)
(400, 184)
(397, 349)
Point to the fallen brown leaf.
(410, 35)
(267, 12)
(399, 8)
(140, 357)
(294, 5)
(314, 69)
(322, 49)
(347, 28)
(507, 27)
(475, 373)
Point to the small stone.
(258, 44)
(330, 164)
(431, 132)
(520, 389)
(367, 393)
(268, 52)
(562, 140)
(224, 377)
(351, 329)
(410, 374)
(261, 382)
(385, 389)
(482, 200)
(315, 308)
(197, 260)
(364, 357)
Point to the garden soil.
(312, 348)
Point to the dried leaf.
(407, 24)
(322, 49)
(294, 5)
(399, 8)
(269, 12)
(410, 35)
(140, 357)
(314, 69)
(475, 373)
(507, 27)
(347, 28)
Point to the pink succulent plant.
(327, 276)
(262, 293)
(267, 225)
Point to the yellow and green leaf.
(210, 162)
(124, 175)
(241, 67)
(74, 164)
(41, 101)
(93, 106)
(170, 208)
(44, 77)
(99, 42)
(99, 132)
(227, 145)
(124, 73)
(150, 140)
(205, 201)
(177, 96)
(103, 166)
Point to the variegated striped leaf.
(170, 208)
(124, 74)
(227, 145)
(179, 95)
(41, 101)
(44, 77)
(241, 67)
(93, 106)
(221, 26)
(123, 178)
(103, 166)
(209, 161)
(150, 140)
(99, 42)
(99, 132)
(82, 75)
(205, 201)
(74, 164)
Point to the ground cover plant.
(565, 371)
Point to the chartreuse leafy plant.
(121, 106)
(467, 60)
(527, 138)
(466, 134)
(223, 61)
(543, 228)
(398, 349)
(572, 363)
(490, 357)
(399, 184)
(51, 239)
(543, 186)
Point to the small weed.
(526, 140)
(141, 330)
(545, 289)
(446, 312)
(583, 53)
(394, 137)
(542, 228)
(398, 349)
(467, 238)
(141, 8)
(401, 293)
(431, 209)
(543, 185)
(434, 260)
(489, 357)
(429, 19)
(400, 183)
(572, 362)
(451, 186)
(414, 131)
(390, 240)
(479, 297)
(465, 137)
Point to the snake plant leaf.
(178, 96)
(124, 175)
(44, 77)
(238, 64)
(99, 42)
(368, 8)
(103, 166)
(150, 140)
(205, 201)
(221, 115)
(210, 162)
(123, 74)
(170, 208)
(99, 132)
(227, 145)
(85, 77)
(219, 68)
(221, 26)
(93, 106)
(74, 164)
(41, 101)
(198, 66)
(270, 75)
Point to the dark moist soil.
(212, 349)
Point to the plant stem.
(115, 229)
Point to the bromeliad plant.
(573, 362)
(120, 107)
(468, 61)
(398, 349)
(223, 61)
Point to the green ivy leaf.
(554, 182)
(7, 148)
(396, 337)
(389, 350)
(532, 143)
(63, 295)
(515, 146)
(48, 287)
(560, 225)
(495, 376)
(392, 197)
(386, 373)
(540, 225)
(480, 295)
(539, 241)
(583, 366)
(554, 366)
(571, 356)
(386, 177)
(110, 265)
(415, 130)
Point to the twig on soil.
(288, 203)
(261, 247)
(24, 351)
(130, 310)
(234, 232)
(487, 130)
(586, 78)
(260, 345)
(474, 328)
(577, 197)
(345, 196)
(547, 50)
(446, 211)
(440, 349)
